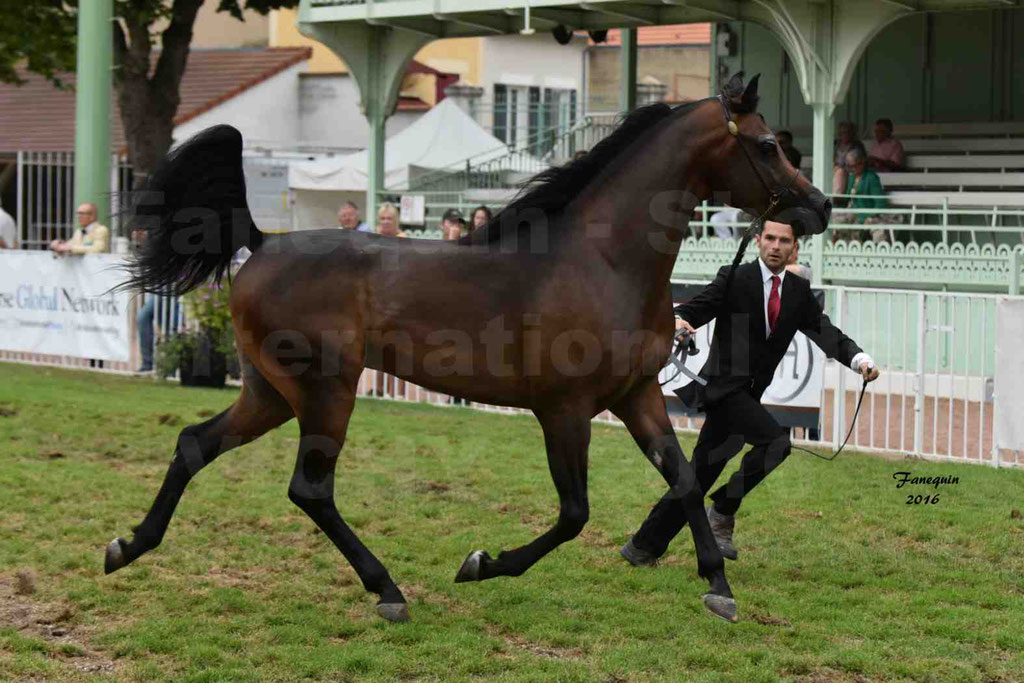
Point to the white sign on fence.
(798, 378)
(59, 305)
(1009, 376)
(413, 209)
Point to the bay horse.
(560, 305)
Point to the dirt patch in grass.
(52, 622)
(769, 620)
(828, 675)
(802, 514)
(431, 487)
(6, 411)
(516, 642)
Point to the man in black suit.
(756, 317)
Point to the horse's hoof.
(721, 606)
(115, 558)
(393, 611)
(470, 569)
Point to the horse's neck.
(634, 220)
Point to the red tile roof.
(676, 34)
(37, 116)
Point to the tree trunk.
(149, 103)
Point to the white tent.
(442, 138)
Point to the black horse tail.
(194, 213)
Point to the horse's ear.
(749, 99)
(734, 88)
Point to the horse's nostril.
(826, 209)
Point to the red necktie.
(774, 304)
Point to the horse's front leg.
(644, 414)
(567, 438)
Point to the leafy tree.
(41, 35)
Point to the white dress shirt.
(766, 281)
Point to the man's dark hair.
(885, 122)
(760, 227)
(786, 133)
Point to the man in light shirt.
(348, 218)
(756, 316)
(886, 153)
(90, 238)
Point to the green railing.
(963, 266)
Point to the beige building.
(673, 65)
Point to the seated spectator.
(866, 192)
(89, 238)
(481, 216)
(348, 218)
(847, 141)
(8, 231)
(886, 153)
(794, 156)
(451, 224)
(387, 220)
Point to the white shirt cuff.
(859, 360)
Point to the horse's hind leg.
(258, 409)
(323, 425)
(567, 438)
(643, 412)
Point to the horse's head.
(751, 169)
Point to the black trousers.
(737, 419)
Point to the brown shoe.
(722, 527)
(637, 557)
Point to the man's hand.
(683, 325)
(868, 371)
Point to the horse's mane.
(551, 189)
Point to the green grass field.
(838, 578)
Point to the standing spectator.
(8, 231)
(797, 269)
(387, 220)
(451, 224)
(90, 238)
(886, 153)
(794, 156)
(481, 216)
(348, 218)
(847, 141)
(725, 223)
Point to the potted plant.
(203, 353)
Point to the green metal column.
(627, 95)
(375, 162)
(821, 176)
(92, 112)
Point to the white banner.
(58, 305)
(1009, 376)
(798, 378)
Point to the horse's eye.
(767, 148)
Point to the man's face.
(856, 166)
(882, 132)
(86, 214)
(784, 140)
(776, 244)
(348, 218)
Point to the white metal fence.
(45, 202)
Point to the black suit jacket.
(741, 357)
